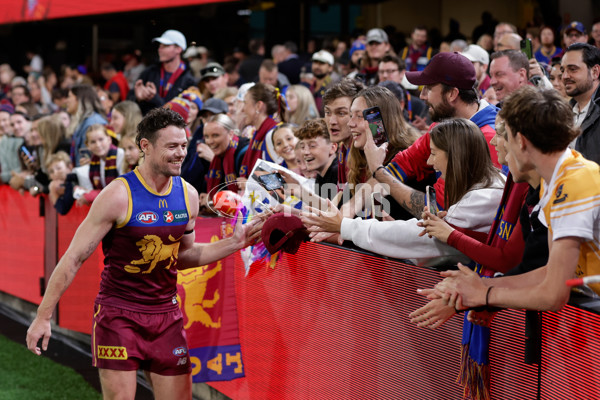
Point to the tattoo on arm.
(416, 203)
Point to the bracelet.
(378, 168)
(487, 296)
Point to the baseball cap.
(215, 106)
(395, 88)
(377, 35)
(194, 51)
(452, 69)
(357, 45)
(575, 26)
(172, 37)
(323, 56)
(476, 54)
(283, 232)
(212, 69)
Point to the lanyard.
(163, 90)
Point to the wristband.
(188, 232)
(378, 168)
(487, 296)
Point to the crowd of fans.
(64, 136)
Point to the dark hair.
(347, 87)
(589, 53)
(469, 161)
(420, 28)
(396, 60)
(467, 96)
(25, 90)
(157, 119)
(516, 59)
(313, 128)
(270, 96)
(542, 116)
(254, 45)
(291, 46)
(88, 100)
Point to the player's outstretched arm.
(110, 207)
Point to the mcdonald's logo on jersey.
(162, 203)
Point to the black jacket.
(152, 74)
(588, 142)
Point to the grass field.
(26, 376)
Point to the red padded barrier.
(21, 245)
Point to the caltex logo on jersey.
(147, 217)
(168, 216)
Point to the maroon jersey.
(140, 255)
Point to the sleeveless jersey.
(140, 254)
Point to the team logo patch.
(147, 217)
(175, 216)
(559, 192)
(112, 352)
(180, 351)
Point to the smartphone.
(272, 181)
(83, 152)
(375, 120)
(430, 199)
(27, 153)
(527, 48)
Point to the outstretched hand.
(248, 234)
(323, 221)
(465, 283)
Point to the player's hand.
(39, 329)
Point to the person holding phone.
(459, 153)
(376, 116)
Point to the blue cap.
(575, 25)
(357, 45)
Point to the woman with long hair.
(261, 104)
(460, 154)
(124, 118)
(301, 104)
(53, 134)
(85, 109)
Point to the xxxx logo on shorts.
(112, 352)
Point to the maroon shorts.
(127, 340)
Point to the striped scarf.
(110, 168)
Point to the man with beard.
(580, 73)
(322, 67)
(145, 220)
(449, 90)
(160, 83)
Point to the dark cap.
(575, 26)
(452, 69)
(215, 106)
(212, 69)
(283, 232)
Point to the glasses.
(387, 71)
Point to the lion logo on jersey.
(154, 251)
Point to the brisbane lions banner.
(206, 296)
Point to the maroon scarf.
(222, 168)
(110, 168)
(255, 148)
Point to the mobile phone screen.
(375, 120)
(272, 181)
(431, 201)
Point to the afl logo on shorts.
(147, 217)
(168, 216)
(180, 351)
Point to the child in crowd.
(285, 143)
(59, 168)
(105, 165)
(132, 153)
(319, 154)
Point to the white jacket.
(400, 239)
